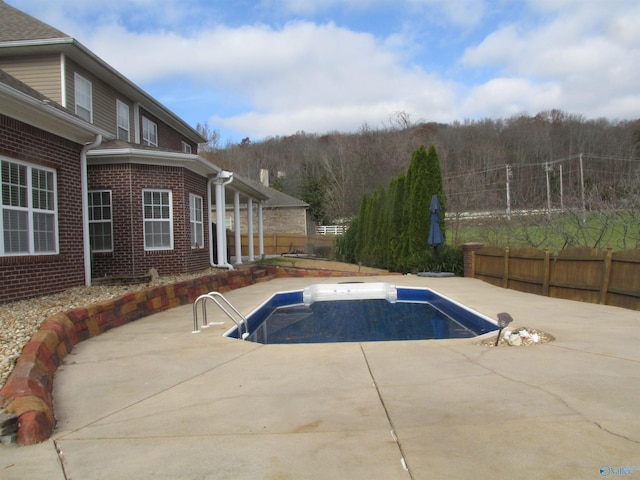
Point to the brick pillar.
(468, 249)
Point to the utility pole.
(561, 192)
(547, 169)
(584, 208)
(509, 174)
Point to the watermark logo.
(607, 470)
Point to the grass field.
(619, 229)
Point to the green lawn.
(618, 229)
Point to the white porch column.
(260, 231)
(236, 226)
(222, 179)
(250, 227)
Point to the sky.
(269, 68)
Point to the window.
(197, 225)
(123, 120)
(186, 148)
(158, 219)
(84, 103)
(100, 221)
(29, 217)
(149, 132)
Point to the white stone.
(524, 333)
(514, 340)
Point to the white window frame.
(27, 206)
(105, 210)
(157, 214)
(186, 148)
(196, 220)
(123, 121)
(83, 94)
(149, 132)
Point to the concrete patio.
(152, 400)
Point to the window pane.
(16, 231)
(197, 236)
(43, 232)
(195, 217)
(14, 184)
(123, 121)
(101, 236)
(83, 98)
(149, 132)
(42, 185)
(157, 234)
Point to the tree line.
(478, 158)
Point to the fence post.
(606, 276)
(468, 250)
(547, 272)
(505, 273)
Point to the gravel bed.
(20, 320)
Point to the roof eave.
(195, 163)
(45, 116)
(189, 161)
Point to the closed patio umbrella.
(436, 238)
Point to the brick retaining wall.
(28, 390)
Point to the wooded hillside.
(550, 159)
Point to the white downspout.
(84, 181)
(220, 181)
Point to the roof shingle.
(19, 26)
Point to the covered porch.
(237, 196)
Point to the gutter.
(222, 179)
(86, 242)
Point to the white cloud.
(301, 77)
(582, 59)
(504, 97)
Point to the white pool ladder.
(223, 303)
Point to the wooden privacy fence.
(279, 243)
(585, 274)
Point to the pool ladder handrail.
(238, 319)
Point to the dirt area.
(322, 264)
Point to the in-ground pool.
(361, 312)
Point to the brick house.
(98, 178)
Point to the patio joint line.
(552, 394)
(394, 435)
(155, 394)
(60, 457)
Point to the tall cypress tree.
(435, 181)
(380, 228)
(363, 233)
(396, 221)
(418, 203)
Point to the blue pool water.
(342, 313)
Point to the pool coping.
(27, 393)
